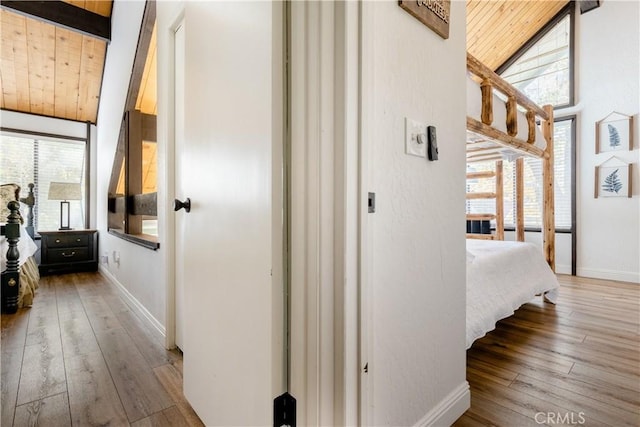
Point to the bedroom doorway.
(225, 125)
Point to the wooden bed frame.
(10, 278)
(494, 145)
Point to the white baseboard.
(133, 302)
(621, 276)
(449, 409)
(563, 269)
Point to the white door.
(229, 86)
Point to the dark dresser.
(68, 251)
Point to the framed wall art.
(434, 14)
(613, 180)
(614, 133)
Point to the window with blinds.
(543, 70)
(533, 196)
(41, 161)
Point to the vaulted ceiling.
(49, 70)
(53, 71)
(496, 29)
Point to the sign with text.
(432, 13)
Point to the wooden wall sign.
(432, 13)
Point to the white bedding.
(26, 247)
(501, 276)
(474, 110)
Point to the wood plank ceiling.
(49, 70)
(496, 29)
(52, 71)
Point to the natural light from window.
(26, 160)
(543, 73)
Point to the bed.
(501, 276)
(502, 123)
(20, 276)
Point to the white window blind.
(25, 160)
(543, 71)
(533, 187)
(533, 192)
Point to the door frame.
(327, 208)
(166, 167)
(326, 204)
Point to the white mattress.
(501, 276)
(474, 110)
(26, 247)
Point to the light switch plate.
(415, 138)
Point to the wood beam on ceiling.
(142, 50)
(64, 15)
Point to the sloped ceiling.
(496, 29)
(49, 70)
(53, 71)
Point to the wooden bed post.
(548, 225)
(520, 199)
(499, 202)
(11, 276)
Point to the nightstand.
(68, 251)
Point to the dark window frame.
(574, 229)
(87, 162)
(129, 208)
(569, 9)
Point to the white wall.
(417, 263)
(50, 125)
(562, 247)
(140, 271)
(607, 72)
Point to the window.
(133, 187)
(39, 160)
(533, 195)
(543, 68)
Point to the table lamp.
(65, 191)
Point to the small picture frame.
(613, 181)
(614, 133)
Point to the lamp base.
(64, 216)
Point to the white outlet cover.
(415, 138)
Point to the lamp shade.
(65, 191)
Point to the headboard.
(11, 192)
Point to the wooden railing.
(490, 81)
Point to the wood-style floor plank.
(51, 411)
(171, 378)
(42, 373)
(520, 367)
(168, 418)
(93, 398)
(77, 337)
(14, 333)
(141, 393)
(80, 356)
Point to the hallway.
(80, 356)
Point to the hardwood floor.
(80, 356)
(575, 363)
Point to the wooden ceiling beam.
(64, 15)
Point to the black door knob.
(177, 205)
